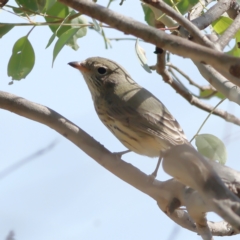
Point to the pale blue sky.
(64, 194)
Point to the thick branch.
(227, 65)
(225, 38)
(197, 10)
(212, 14)
(192, 29)
(191, 82)
(219, 82)
(234, 9)
(180, 89)
(180, 159)
(163, 192)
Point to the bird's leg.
(154, 174)
(119, 154)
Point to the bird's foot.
(152, 177)
(119, 154)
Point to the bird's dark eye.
(102, 70)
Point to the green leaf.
(235, 51)
(181, 6)
(211, 147)
(208, 92)
(51, 39)
(185, 5)
(64, 39)
(61, 12)
(96, 26)
(80, 33)
(149, 15)
(19, 11)
(142, 56)
(5, 29)
(55, 33)
(35, 6)
(221, 24)
(48, 4)
(22, 60)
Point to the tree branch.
(197, 10)
(212, 14)
(178, 160)
(226, 37)
(227, 65)
(184, 92)
(231, 91)
(191, 82)
(192, 29)
(234, 9)
(221, 83)
(163, 192)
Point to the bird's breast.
(137, 141)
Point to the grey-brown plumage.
(134, 115)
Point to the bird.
(137, 118)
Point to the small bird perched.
(135, 116)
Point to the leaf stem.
(30, 31)
(206, 119)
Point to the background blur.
(64, 194)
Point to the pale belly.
(138, 142)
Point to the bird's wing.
(149, 116)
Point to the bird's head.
(102, 75)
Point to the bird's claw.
(119, 154)
(152, 177)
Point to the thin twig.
(192, 29)
(109, 3)
(199, 97)
(122, 39)
(184, 92)
(13, 13)
(26, 160)
(207, 96)
(30, 31)
(212, 14)
(30, 11)
(191, 82)
(207, 119)
(197, 10)
(45, 24)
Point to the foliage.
(68, 26)
(64, 22)
(211, 147)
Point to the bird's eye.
(102, 70)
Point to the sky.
(64, 194)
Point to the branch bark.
(183, 91)
(223, 83)
(165, 193)
(225, 38)
(193, 31)
(226, 65)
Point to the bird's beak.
(79, 65)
